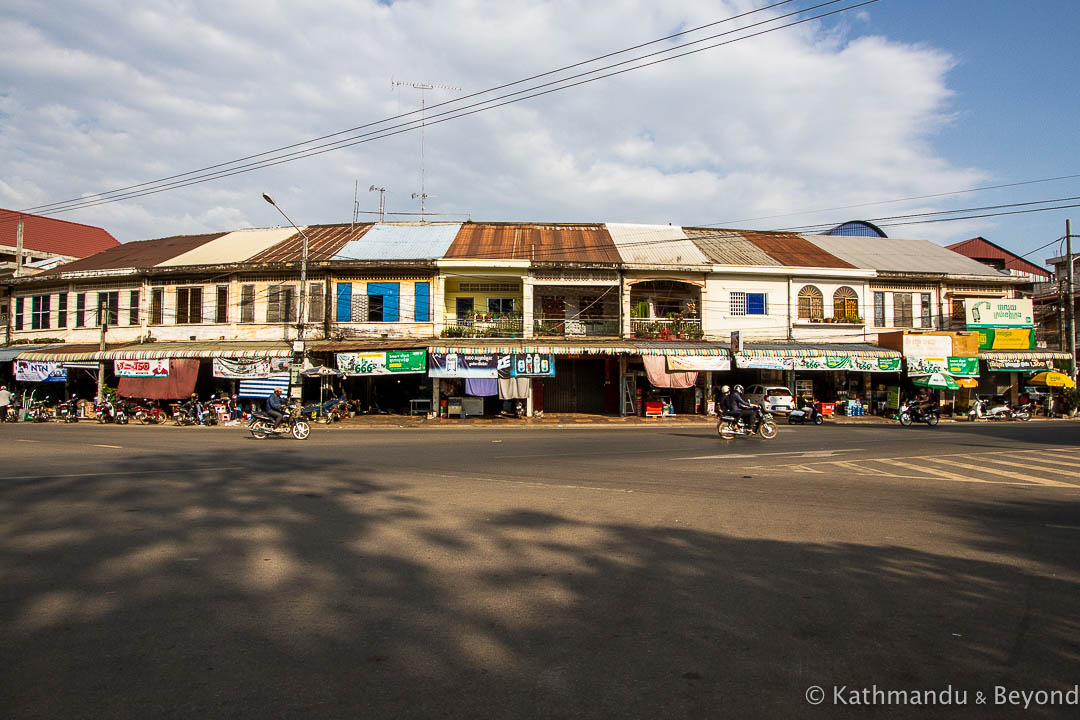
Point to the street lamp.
(298, 347)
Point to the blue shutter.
(423, 302)
(389, 293)
(755, 303)
(344, 302)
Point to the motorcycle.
(107, 412)
(982, 409)
(193, 413)
(292, 422)
(68, 411)
(762, 424)
(806, 413)
(328, 412)
(150, 414)
(911, 412)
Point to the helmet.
(277, 390)
(725, 389)
(738, 388)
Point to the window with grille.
(845, 305)
(157, 297)
(281, 304)
(926, 306)
(744, 303)
(247, 303)
(811, 303)
(188, 305)
(40, 311)
(879, 309)
(133, 308)
(315, 308)
(61, 310)
(958, 315)
(382, 302)
(108, 308)
(902, 315)
(20, 305)
(221, 306)
(80, 310)
(500, 305)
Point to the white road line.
(1042, 468)
(1005, 473)
(934, 472)
(1064, 527)
(800, 453)
(1048, 461)
(129, 472)
(115, 447)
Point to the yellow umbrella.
(1052, 379)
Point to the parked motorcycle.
(327, 412)
(761, 424)
(148, 413)
(108, 412)
(911, 412)
(805, 413)
(292, 422)
(68, 411)
(193, 412)
(983, 409)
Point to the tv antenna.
(422, 87)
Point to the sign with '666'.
(141, 368)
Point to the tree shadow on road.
(322, 591)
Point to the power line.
(231, 168)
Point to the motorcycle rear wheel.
(767, 430)
(725, 430)
(905, 419)
(258, 430)
(160, 417)
(301, 429)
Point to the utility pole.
(1069, 297)
(103, 319)
(422, 87)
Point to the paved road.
(584, 572)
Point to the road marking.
(32, 441)
(804, 469)
(799, 453)
(1056, 471)
(116, 447)
(129, 472)
(1064, 527)
(934, 472)
(950, 459)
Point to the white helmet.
(725, 389)
(738, 388)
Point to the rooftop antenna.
(382, 198)
(422, 87)
(355, 210)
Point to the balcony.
(577, 327)
(673, 328)
(484, 326)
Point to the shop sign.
(35, 371)
(531, 365)
(765, 363)
(927, 345)
(384, 362)
(690, 363)
(243, 368)
(1020, 365)
(847, 362)
(460, 365)
(1006, 338)
(141, 368)
(1011, 313)
(953, 365)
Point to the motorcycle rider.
(738, 407)
(274, 407)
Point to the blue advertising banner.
(532, 365)
(35, 371)
(490, 365)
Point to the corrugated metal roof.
(141, 254)
(46, 234)
(793, 250)
(395, 241)
(324, 241)
(726, 247)
(654, 244)
(534, 241)
(900, 255)
(978, 248)
(233, 247)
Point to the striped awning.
(824, 351)
(160, 351)
(1014, 355)
(613, 348)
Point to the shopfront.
(384, 381)
(1007, 371)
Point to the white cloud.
(97, 98)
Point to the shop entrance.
(578, 386)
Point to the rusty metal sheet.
(324, 241)
(534, 241)
(794, 250)
(140, 254)
(727, 247)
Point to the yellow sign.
(1012, 339)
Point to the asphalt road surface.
(595, 572)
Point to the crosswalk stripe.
(951, 460)
(940, 473)
(1042, 468)
(1048, 461)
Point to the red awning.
(183, 372)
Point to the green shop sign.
(856, 364)
(956, 366)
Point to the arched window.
(811, 303)
(845, 305)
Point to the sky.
(822, 122)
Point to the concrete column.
(527, 308)
(435, 386)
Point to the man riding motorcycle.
(738, 407)
(274, 406)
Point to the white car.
(773, 398)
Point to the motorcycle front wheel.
(905, 419)
(767, 430)
(818, 420)
(301, 429)
(258, 429)
(1023, 416)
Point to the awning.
(577, 347)
(178, 384)
(858, 350)
(7, 354)
(160, 350)
(1014, 355)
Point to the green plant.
(640, 310)
(1070, 399)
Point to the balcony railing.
(666, 328)
(577, 327)
(484, 326)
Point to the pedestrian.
(5, 402)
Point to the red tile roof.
(46, 234)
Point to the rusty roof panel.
(726, 247)
(794, 250)
(324, 241)
(142, 254)
(655, 244)
(534, 241)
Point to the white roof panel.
(654, 244)
(232, 247)
(422, 241)
(900, 255)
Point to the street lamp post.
(298, 346)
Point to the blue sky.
(901, 98)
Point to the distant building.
(1002, 260)
(46, 238)
(857, 228)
